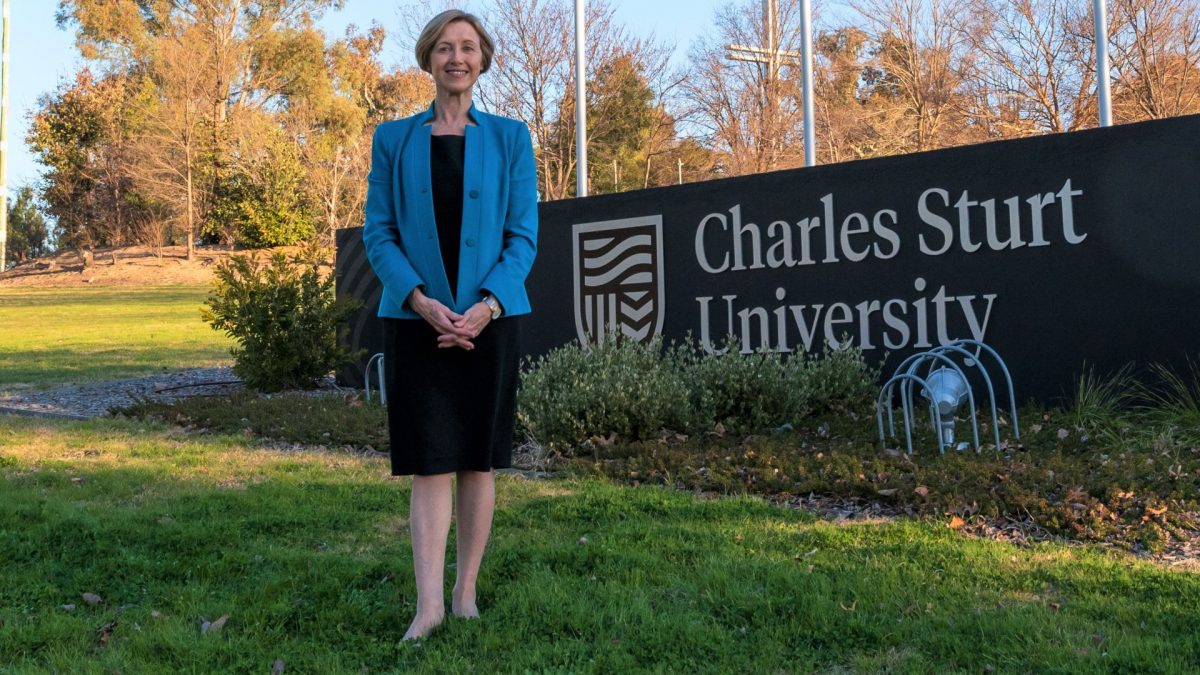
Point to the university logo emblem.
(618, 278)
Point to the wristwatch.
(493, 304)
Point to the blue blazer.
(499, 221)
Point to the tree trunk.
(191, 218)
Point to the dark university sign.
(1059, 251)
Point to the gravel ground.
(86, 401)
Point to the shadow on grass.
(47, 367)
(311, 564)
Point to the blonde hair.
(433, 30)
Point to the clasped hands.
(454, 329)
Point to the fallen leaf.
(956, 523)
(105, 632)
(1156, 511)
(1055, 606)
(1035, 428)
(215, 625)
(719, 429)
(1063, 433)
(922, 491)
(69, 608)
(850, 608)
(92, 599)
(277, 667)
(887, 493)
(155, 613)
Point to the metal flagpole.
(806, 50)
(581, 172)
(4, 141)
(1103, 90)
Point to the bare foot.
(463, 605)
(422, 626)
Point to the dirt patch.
(124, 266)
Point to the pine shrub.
(284, 316)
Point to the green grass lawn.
(307, 554)
(53, 336)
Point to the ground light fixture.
(377, 361)
(944, 383)
(946, 389)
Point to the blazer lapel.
(421, 183)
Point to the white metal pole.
(581, 172)
(4, 141)
(806, 51)
(1103, 89)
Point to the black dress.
(450, 409)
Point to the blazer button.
(470, 242)
(424, 189)
(474, 194)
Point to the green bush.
(744, 392)
(265, 205)
(618, 386)
(28, 235)
(284, 317)
(840, 381)
(636, 391)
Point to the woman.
(451, 231)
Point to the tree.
(1156, 58)
(28, 236)
(752, 112)
(843, 110)
(533, 79)
(332, 124)
(216, 66)
(1036, 73)
(81, 133)
(921, 57)
(265, 204)
(173, 144)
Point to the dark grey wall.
(1056, 250)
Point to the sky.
(42, 55)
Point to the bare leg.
(476, 504)
(429, 518)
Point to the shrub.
(744, 392)
(617, 386)
(840, 381)
(28, 236)
(265, 205)
(284, 317)
(636, 391)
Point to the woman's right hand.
(442, 318)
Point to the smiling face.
(456, 59)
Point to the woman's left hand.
(472, 323)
